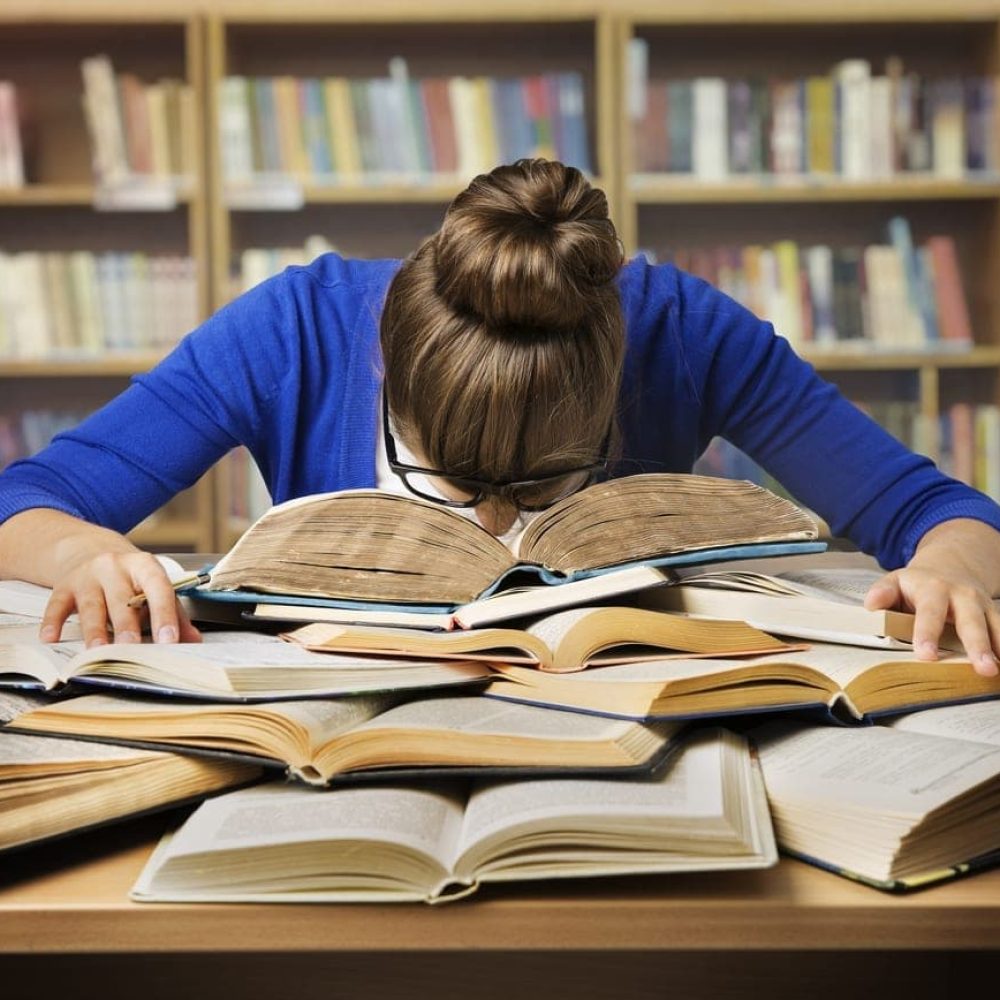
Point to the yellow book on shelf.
(789, 298)
(342, 128)
(294, 157)
(820, 118)
(485, 119)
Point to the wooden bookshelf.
(61, 208)
(42, 45)
(792, 40)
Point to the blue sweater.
(291, 369)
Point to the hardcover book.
(372, 736)
(899, 806)
(372, 546)
(432, 842)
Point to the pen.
(183, 583)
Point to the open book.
(823, 604)
(319, 741)
(897, 806)
(431, 842)
(228, 666)
(848, 682)
(372, 546)
(49, 787)
(566, 641)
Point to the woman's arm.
(940, 537)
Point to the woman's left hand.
(952, 577)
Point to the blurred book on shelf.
(12, 167)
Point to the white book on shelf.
(853, 78)
(103, 113)
(235, 131)
(710, 155)
(11, 151)
(409, 140)
(463, 111)
(159, 134)
(83, 271)
(636, 78)
(947, 124)
(819, 273)
(32, 323)
(880, 92)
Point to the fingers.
(883, 593)
(150, 578)
(100, 591)
(60, 606)
(978, 628)
(931, 605)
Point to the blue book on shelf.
(267, 123)
(574, 119)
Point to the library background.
(835, 169)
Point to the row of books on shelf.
(84, 303)
(138, 130)
(597, 757)
(12, 171)
(257, 264)
(850, 123)
(339, 129)
(893, 295)
(964, 441)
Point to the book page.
(46, 662)
(877, 768)
(846, 585)
(15, 703)
(977, 721)
(18, 750)
(484, 715)
(422, 819)
(689, 790)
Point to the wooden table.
(68, 929)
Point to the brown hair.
(502, 335)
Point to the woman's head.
(502, 336)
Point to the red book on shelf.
(949, 296)
(653, 141)
(440, 124)
(135, 115)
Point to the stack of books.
(433, 725)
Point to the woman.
(516, 344)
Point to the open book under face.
(369, 545)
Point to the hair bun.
(527, 246)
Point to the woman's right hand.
(99, 590)
(95, 572)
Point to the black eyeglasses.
(526, 494)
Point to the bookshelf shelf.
(649, 189)
(866, 360)
(105, 366)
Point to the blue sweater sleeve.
(757, 393)
(166, 429)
